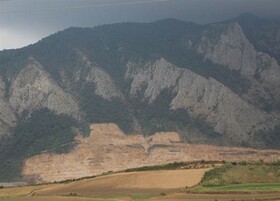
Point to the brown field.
(20, 191)
(48, 198)
(165, 185)
(113, 187)
(164, 179)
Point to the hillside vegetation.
(242, 173)
(42, 131)
(241, 177)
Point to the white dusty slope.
(109, 149)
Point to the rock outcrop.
(89, 72)
(229, 114)
(109, 149)
(157, 76)
(34, 88)
(233, 50)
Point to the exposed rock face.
(157, 76)
(234, 50)
(7, 117)
(231, 115)
(109, 149)
(268, 69)
(89, 72)
(33, 88)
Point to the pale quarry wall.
(109, 149)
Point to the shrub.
(243, 163)
(73, 194)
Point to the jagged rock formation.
(233, 50)
(109, 149)
(89, 72)
(157, 76)
(228, 113)
(33, 88)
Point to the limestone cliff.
(157, 76)
(33, 88)
(89, 72)
(230, 115)
(109, 149)
(233, 50)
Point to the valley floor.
(168, 185)
(155, 196)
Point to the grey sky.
(23, 22)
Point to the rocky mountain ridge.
(235, 51)
(34, 88)
(201, 96)
(213, 84)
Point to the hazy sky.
(23, 22)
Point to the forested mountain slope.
(213, 84)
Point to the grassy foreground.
(241, 177)
(249, 188)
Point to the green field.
(251, 187)
(241, 177)
(242, 173)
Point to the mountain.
(213, 84)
